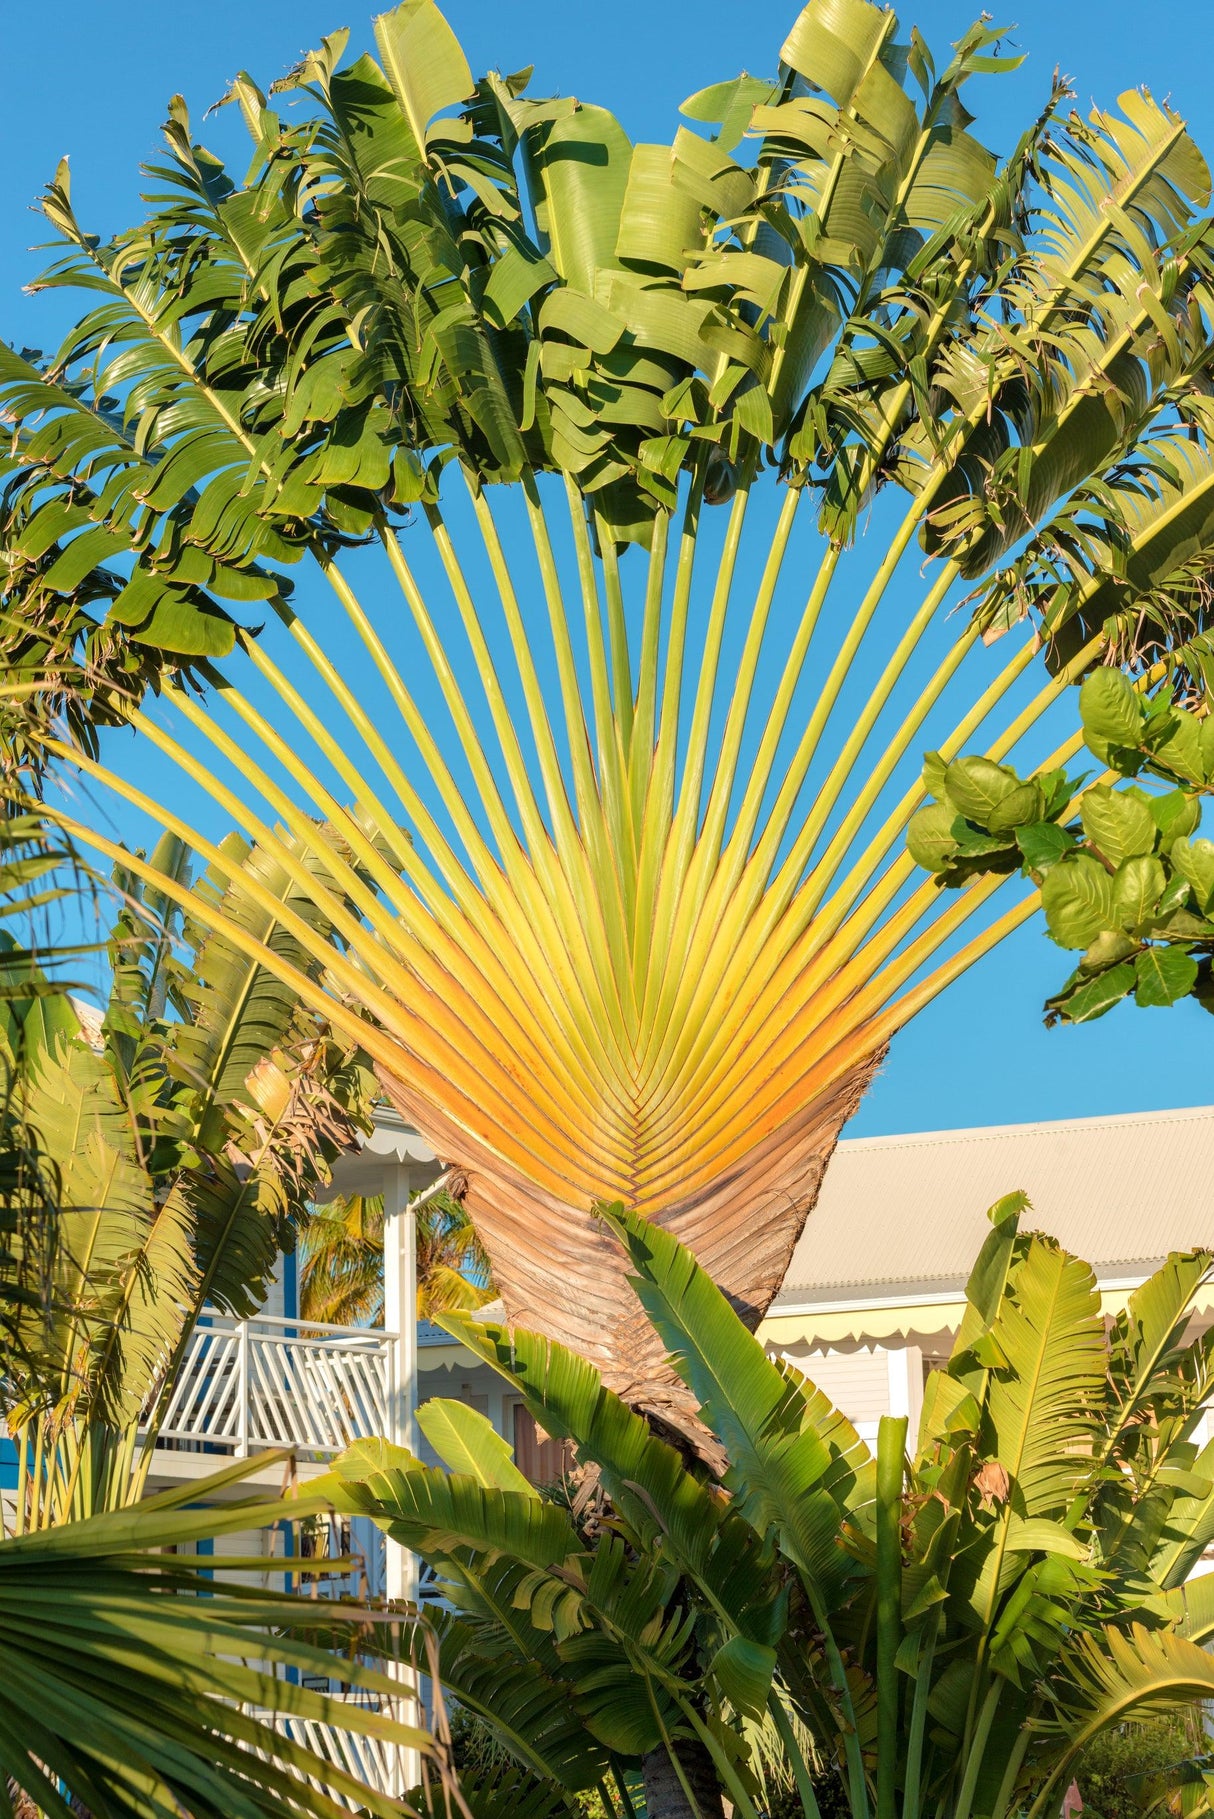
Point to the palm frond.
(140, 1686)
(341, 1262)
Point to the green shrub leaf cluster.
(1126, 878)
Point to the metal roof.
(908, 1213)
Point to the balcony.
(379, 1765)
(250, 1384)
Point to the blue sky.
(91, 81)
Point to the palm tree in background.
(165, 1148)
(341, 1261)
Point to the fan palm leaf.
(179, 1135)
(138, 1685)
(630, 919)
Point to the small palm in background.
(452, 1268)
(341, 1276)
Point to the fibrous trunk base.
(562, 1274)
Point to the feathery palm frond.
(341, 1262)
(36, 873)
(181, 1135)
(137, 1685)
(453, 1272)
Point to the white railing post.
(400, 1318)
(242, 1390)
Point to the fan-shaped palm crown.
(652, 925)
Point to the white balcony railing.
(384, 1767)
(247, 1384)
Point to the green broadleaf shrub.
(1127, 1770)
(1126, 881)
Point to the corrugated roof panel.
(1117, 1191)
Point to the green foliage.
(422, 267)
(135, 1685)
(36, 874)
(173, 1142)
(149, 1159)
(1129, 882)
(341, 1261)
(494, 1787)
(972, 1617)
(1134, 1767)
(341, 1256)
(668, 301)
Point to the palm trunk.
(562, 1275)
(665, 1796)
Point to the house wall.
(865, 1382)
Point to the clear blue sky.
(92, 81)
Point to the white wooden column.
(400, 1301)
(400, 1317)
(905, 1366)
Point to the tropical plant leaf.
(645, 1478)
(1042, 1399)
(133, 1686)
(468, 1443)
(793, 1460)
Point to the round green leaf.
(1077, 898)
(1164, 974)
(1021, 808)
(1194, 860)
(1107, 949)
(744, 1670)
(1137, 888)
(1176, 814)
(1091, 998)
(929, 837)
(1119, 823)
(978, 788)
(1177, 744)
(1043, 844)
(1110, 710)
(935, 770)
